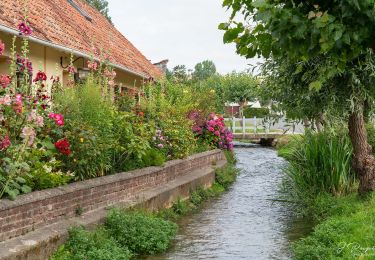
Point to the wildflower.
(28, 133)
(161, 146)
(63, 146)
(81, 140)
(40, 76)
(2, 48)
(4, 80)
(141, 114)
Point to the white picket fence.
(261, 125)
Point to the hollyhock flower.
(63, 146)
(24, 29)
(6, 100)
(19, 98)
(111, 83)
(4, 81)
(39, 121)
(5, 143)
(217, 133)
(92, 65)
(40, 76)
(211, 129)
(32, 116)
(71, 70)
(28, 133)
(51, 115)
(2, 48)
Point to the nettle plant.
(30, 132)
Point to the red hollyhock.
(63, 146)
(40, 76)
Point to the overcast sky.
(183, 31)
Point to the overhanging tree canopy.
(341, 32)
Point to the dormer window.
(82, 12)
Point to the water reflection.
(244, 223)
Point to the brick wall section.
(31, 211)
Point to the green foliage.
(346, 233)
(240, 87)
(102, 7)
(250, 112)
(153, 157)
(140, 233)
(204, 70)
(96, 245)
(226, 176)
(370, 128)
(89, 127)
(320, 162)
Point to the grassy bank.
(321, 185)
(128, 233)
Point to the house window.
(82, 12)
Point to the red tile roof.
(58, 22)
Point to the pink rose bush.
(214, 133)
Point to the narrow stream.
(246, 222)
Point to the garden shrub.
(250, 112)
(142, 234)
(153, 157)
(96, 245)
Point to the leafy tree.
(179, 73)
(102, 7)
(240, 88)
(204, 70)
(340, 32)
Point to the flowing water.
(246, 222)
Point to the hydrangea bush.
(214, 133)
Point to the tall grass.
(319, 163)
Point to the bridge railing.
(262, 126)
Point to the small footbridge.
(261, 130)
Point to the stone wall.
(42, 208)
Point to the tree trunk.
(363, 161)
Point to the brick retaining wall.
(37, 209)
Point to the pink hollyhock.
(92, 65)
(4, 80)
(71, 70)
(111, 83)
(24, 29)
(5, 143)
(28, 133)
(211, 129)
(6, 100)
(39, 120)
(2, 48)
(217, 133)
(51, 115)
